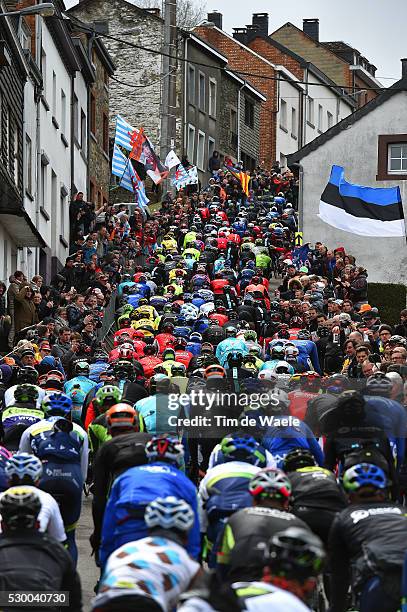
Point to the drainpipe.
(38, 44)
(301, 199)
(305, 99)
(239, 107)
(186, 94)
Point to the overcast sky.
(376, 28)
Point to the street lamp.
(47, 9)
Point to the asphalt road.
(87, 569)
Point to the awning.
(20, 227)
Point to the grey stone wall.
(229, 100)
(99, 165)
(250, 137)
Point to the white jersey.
(49, 518)
(215, 456)
(9, 399)
(154, 567)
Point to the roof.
(246, 85)
(207, 46)
(104, 55)
(137, 9)
(338, 46)
(401, 85)
(87, 70)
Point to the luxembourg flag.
(365, 211)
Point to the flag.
(299, 255)
(124, 132)
(136, 140)
(365, 211)
(129, 179)
(244, 179)
(143, 151)
(172, 160)
(185, 177)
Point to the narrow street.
(87, 569)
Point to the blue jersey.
(130, 494)
(279, 440)
(391, 417)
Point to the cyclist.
(78, 387)
(241, 553)
(150, 574)
(225, 487)
(25, 375)
(105, 398)
(16, 418)
(132, 491)
(316, 495)
(367, 543)
(31, 560)
(23, 469)
(62, 447)
(125, 449)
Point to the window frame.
(105, 130)
(211, 141)
(63, 111)
(92, 113)
(83, 131)
(249, 113)
(329, 120)
(200, 166)
(75, 118)
(294, 123)
(28, 179)
(311, 112)
(383, 151)
(320, 119)
(191, 153)
(283, 115)
(402, 157)
(213, 86)
(202, 103)
(191, 85)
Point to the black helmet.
(295, 554)
(123, 370)
(19, 508)
(26, 393)
(81, 368)
(27, 374)
(297, 459)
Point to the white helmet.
(169, 513)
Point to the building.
(136, 91)
(242, 60)
(343, 64)
(221, 111)
(371, 144)
(18, 232)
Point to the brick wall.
(243, 60)
(329, 63)
(265, 49)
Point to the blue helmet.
(23, 465)
(243, 448)
(57, 404)
(364, 475)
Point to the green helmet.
(26, 393)
(108, 396)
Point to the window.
(320, 118)
(233, 129)
(28, 164)
(310, 114)
(191, 144)
(44, 72)
(397, 158)
(392, 157)
(75, 118)
(43, 186)
(25, 37)
(283, 161)
(249, 113)
(83, 131)
(330, 119)
(54, 94)
(202, 79)
(200, 154)
(63, 112)
(105, 133)
(62, 206)
(248, 162)
(211, 147)
(15, 161)
(294, 127)
(92, 113)
(283, 115)
(212, 97)
(191, 84)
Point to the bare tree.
(189, 12)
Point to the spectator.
(25, 313)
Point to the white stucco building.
(371, 145)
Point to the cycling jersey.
(9, 396)
(17, 419)
(155, 567)
(316, 487)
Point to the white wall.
(52, 144)
(80, 148)
(356, 150)
(329, 101)
(286, 142)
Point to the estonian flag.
(365, 211)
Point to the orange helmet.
(122, 416)
(214, 371)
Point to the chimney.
(251, 32)
(261, 20)
(240, 34)
(216, 18)
(311, 28)
(404, 68)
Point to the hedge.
(389, 299)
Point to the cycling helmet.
(178, 369)
(277, 351)
(159, 383)
(123, 370)
(291, 353)
(57, 404)
(19, 508)
(54, 379)
(337, 383)
(364, 475)
(107, 396)
(378, 384)
(26, 393)
(242, 448)
(195, 337)
(125, 352)
(295, 554)
(268, 375)
(168, 354)
(297, 459)
(27, 374)
(23, 466)
(270, 483)
(150, 349)
(398, 340)
(230, 331)
(283, 368)
(81, 368)
(164, 448)
(100, 355)
(304, 334)
(169, 513)
(122, 416)
(214, 371)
